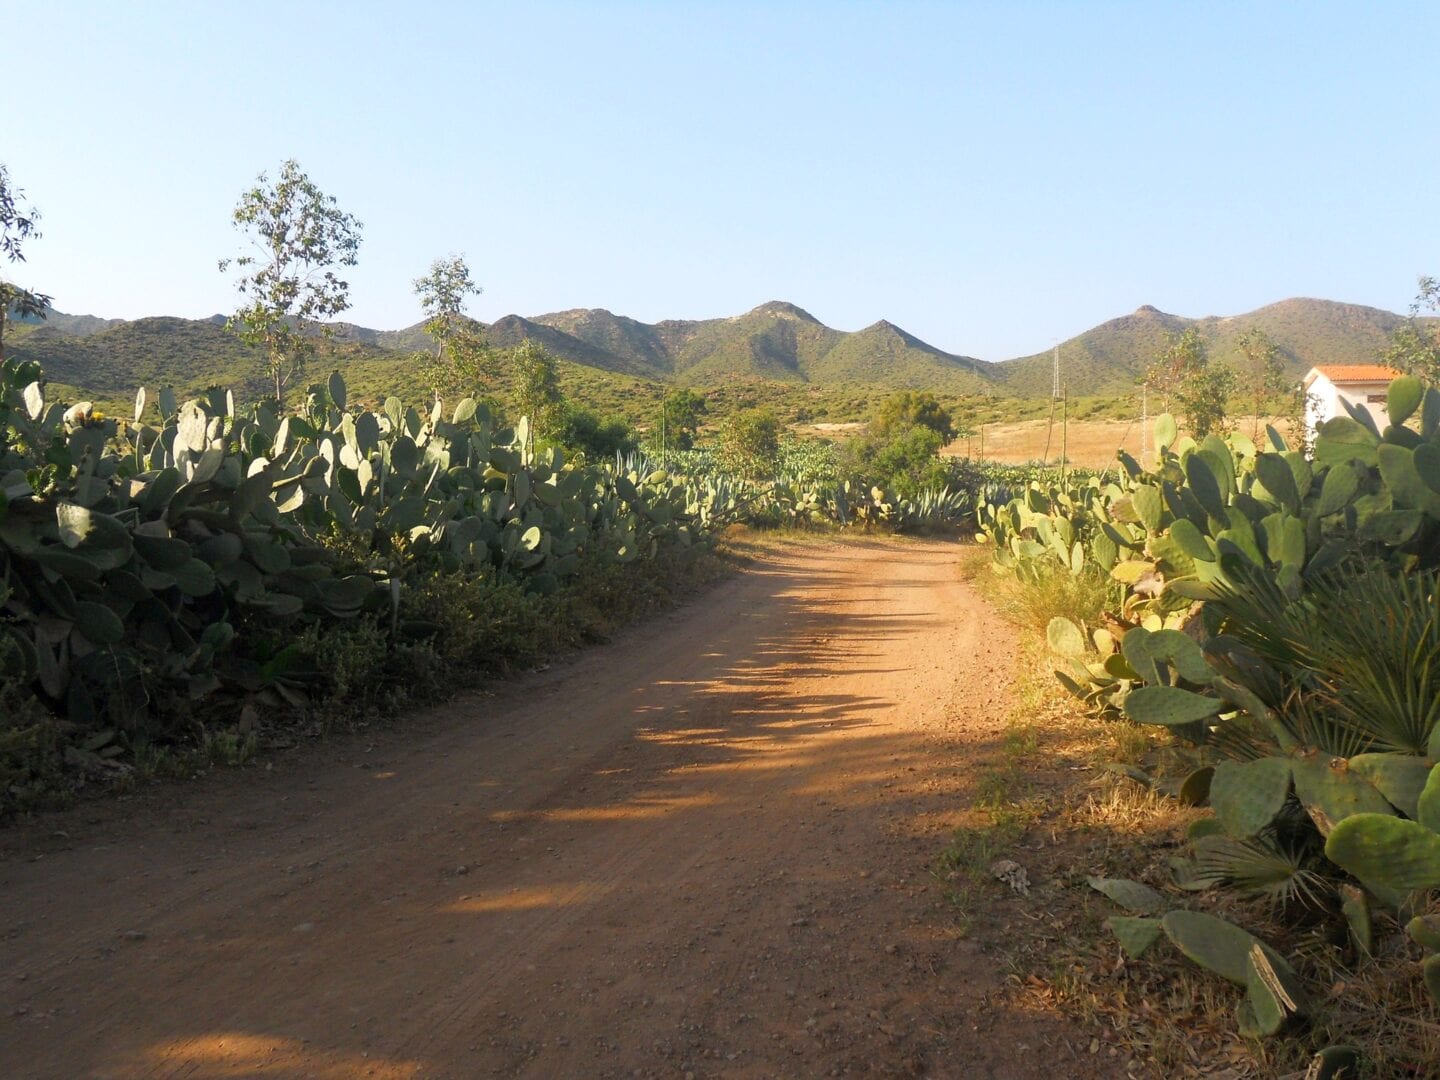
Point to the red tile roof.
(1353, 373)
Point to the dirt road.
(701, 850)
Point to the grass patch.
(1049, 592)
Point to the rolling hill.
(777, 344)
(1112, 356)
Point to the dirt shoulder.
(704, 849)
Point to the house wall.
(1328, 400)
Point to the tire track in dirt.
(701, 849)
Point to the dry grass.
(1091, 444)
(1053, 591)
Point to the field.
(1090, 444)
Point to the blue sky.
(992, 177)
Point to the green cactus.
(1131, 895)
(1388, 852)
(1214, 944)
(1135, 934)
(1246, 796)
(1273, 993)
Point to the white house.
(1328, 385)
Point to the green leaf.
(1205, 485)
(1330, 793)
(1387, 851)
(1339, 487)
(1403, 398)
(1145, 650)
(163, 553)
(336, 386)
(1131, 895)
(1342, 439)
(1191, 540)
(1397, 467)
(34, 400)
(1065, 637)
(1273, 990)
(1170, 706)
(1195, 788)
(195, 578)
(1214, 944)
(1165, 431)
(1246, 796)
(1148, 506)
(1399, 777)
(1427, 806)
(1134, 934)
(1392, 527)
(1427, 465)
(1274, 472)
(98, 623)
(1430, 972)
(1355, 906)
(78, 526)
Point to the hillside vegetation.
(777, 355)
(1112, 356)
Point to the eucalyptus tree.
(463, 362)
(1261, 374)
(298, 237)
(443, 293)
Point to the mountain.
(640, 346)
(512, 330)
(111, 362)
(902, 359)
(79, 325)
(1111, 357)
(775, 343)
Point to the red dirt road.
(701, 850)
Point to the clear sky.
(992, 177)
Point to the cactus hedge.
(1280, 618)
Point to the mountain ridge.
(776, 341)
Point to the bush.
(750, 443)
(912, 408)
(905, 460)
(597, 438)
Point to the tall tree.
(18, 223)
(912, 408)
(750, 443)
(681, 411)
(443, 292)
(463, 362)
(535, 390)
(1183, 355)
(1261, 374)
(1183, 372)
(298, 236)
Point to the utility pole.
(1054, 395)
(1065, 434)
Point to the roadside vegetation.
(1251, 637)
